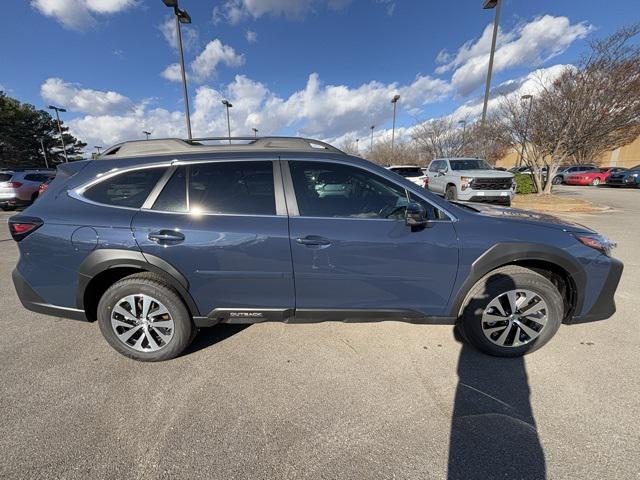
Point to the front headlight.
(465, 182)
(597, 242)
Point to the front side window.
(129, 189)
(434, 166)
(342, 191)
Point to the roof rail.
(167, 146)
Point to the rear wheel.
(451, 193)
(511, 311)
(144, 319)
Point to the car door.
(353, 254)
(223, 227)
(436, 179)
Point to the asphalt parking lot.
(332, 400)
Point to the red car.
(591, 177)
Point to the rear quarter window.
(128, 189)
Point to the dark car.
(158, 238)
(627, 178)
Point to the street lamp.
(44, 153)
(488, 4)
(255, 132)
(464, 132)
(181, 17)
(64, 148)
(358, 146)
(526, 127)
(371, 144)
(97, 147)
(148, 134)
(227, 104)
(394, 100)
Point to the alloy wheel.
(514, 318)
(142, 323)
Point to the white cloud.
(251, 36)
(235, 11)
(530, 43)
(190, 35)
(78, 14)
(203, 67)
(84, 100)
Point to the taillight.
(21, 226)
(425, 182)
(12, 184)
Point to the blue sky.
(323, 68)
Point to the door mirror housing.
(415, 215)
(442, 171)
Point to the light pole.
(526, 127)
(227, 104)
(488, 4)
(44, 152)
(255, 132)
(358, 146)
(394, 100)
(148, 134)
(64, 148)
(464, 133)
(181, 17)
(97, 147)
(371, 144)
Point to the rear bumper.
(604, 306)
(34, 302)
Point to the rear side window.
(240, 188)
(5, 177)
(129, 189)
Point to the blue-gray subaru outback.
(158, 238)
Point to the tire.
(557, 180)
(8, 208)
(595, 182)
(451, 193)
(171, 339)
(480, 305)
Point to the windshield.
(470, 164)
(408, 171)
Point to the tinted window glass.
(470, 164)
(335, 190)
(5, 177)
(173, 197)
(408, 172)
(128, 189)
(232, 188)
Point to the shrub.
(524, 184)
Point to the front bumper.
(486, 196)
(34, 302)
(623, 181)
(604, 306)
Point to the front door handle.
(313, 241)
(166, 237)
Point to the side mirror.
(415, 215)
(442, 171)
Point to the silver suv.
(470, 179)
(20, 187)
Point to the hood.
(542, 219)
(482, 173)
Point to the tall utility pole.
(526, 127)
(44, 153)
(64, 148)
(371, 144)
(181, 17)
(488, 4)
(358, 146)
(464, 134)
(97, 147)
(148, 134)
(228, 105)
(255, 132)
(394, 100)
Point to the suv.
(410, 172)
(564, 171)
(470, 179)
(20, 187)
(161, 237)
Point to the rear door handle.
(166, 237)
(313, 241)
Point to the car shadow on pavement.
(207, 337)
(493, 430)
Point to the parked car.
(592, 177)
(20, 187)
(564, 171)
(627, 178)
(161, 237)
(470, 179)
(410, 172)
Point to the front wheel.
(557, 180)
(451, 193)
(143, 318)
(511, 311)
(595, 182)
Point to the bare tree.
(349, 146)
(439, 138)
(486, 141)
(592, 107)
(402, 153)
